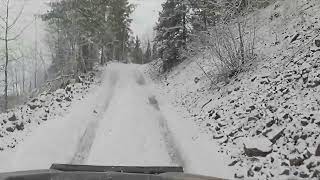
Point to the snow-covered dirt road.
(121, 122)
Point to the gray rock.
(10, 129)
(317, 153)
(304, 175)
(196, 80)
(254, 152)
(20, 127)
(277, 136)
(257, 147)
(250, 173)
(13, 118)
(317, 42)
(316, 174)
(286, 172)
(296, 161)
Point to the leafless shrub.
(155, 69)
(229, 49)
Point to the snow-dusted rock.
(18, 122)
(257, 147)
(317, 42)
(317, 153)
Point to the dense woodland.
(80, 35)
(184, 23)
(84, 32)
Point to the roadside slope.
(266, 119)
(56, 141)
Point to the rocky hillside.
(266, 119)
(18, 122)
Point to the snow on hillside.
(121, 121)
(18, 123)
(267, 119)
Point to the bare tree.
(8, 27)
(35, 53)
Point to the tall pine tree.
(205, 13)
(148, 53)
(119, 21)
(82, 30)
(171, 32)
(137, 54)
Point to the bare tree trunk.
(23, 78)
(30, 86)
(205, 20)
(7, 59)
(82, 61)
(184, 29)
(241, 43)
(113, 50)
(35, 54)
(123, 44)
(7, 27)
(16, 81)
(254, 39)
(102, 61)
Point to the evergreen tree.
(148, 53)
(172, 32)
(137, 54)
(154, 51)
(82, 30)
(205, 13)
(119, 21)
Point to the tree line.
(17, 67)
(83, 32)
(180, 21)
(80, 34)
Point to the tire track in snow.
(86, 141)
(173, 150)
(170, 144)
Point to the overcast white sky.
(145, 17)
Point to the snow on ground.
(198, 152)
(18, 122)
(129, 133)
(31, 134)
(275, 103)
(123, 121)
(264, 124)
(140, 128)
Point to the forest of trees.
(80, 34)
(181, 21)
(19, 66)
(83, 32)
